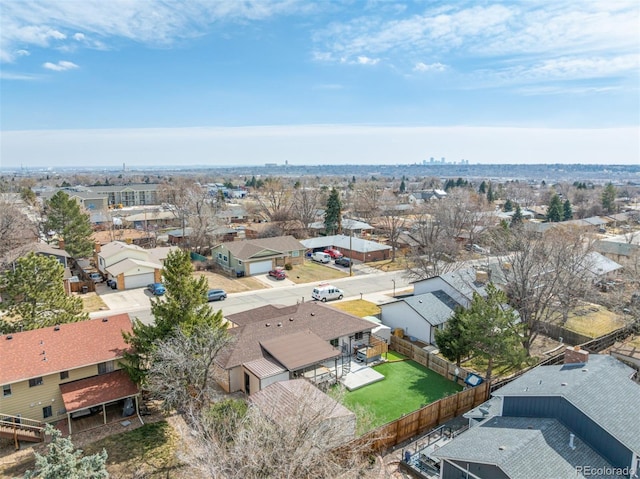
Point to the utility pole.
(351, 252)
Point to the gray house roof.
(599, 265)
(615, 247)
(344, 242)
(464, 281)
(264, 247)
(435, 308)
(524, 448)
(601, 389)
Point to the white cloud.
(156, 22)
(364, 60)
(4, 75)
(22, 53)
(498, 37)
(60, 66)
(424, 67)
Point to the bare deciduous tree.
(256, 446)
(16, 229)
(181, 371)
(275, 199)
(546, 274)
(305, 206)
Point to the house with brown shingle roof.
(66, 371)
(285, 401)
(254, 256)
(277, 343)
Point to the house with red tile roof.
(65, 371)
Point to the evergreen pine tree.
(483, 188)
(567, 211)
(508, 206)
(516, 219)
(453, 341)
(490, 196)
(69, 222)
(555, 211)
(64, 461)
(34, 296)
(333, 213)
(183, 306)
(609, 198)
(403, 187)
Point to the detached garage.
(132, 273)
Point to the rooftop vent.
(104, 320)
(279, 325)
(313, 314)
(502, 448)
(290, 319)
(9, 337)
(571, 439)
(268, 324)
(584, 370)
(56, 327)
(563, 384)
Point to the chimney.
(96, 247)
(575, 355)
(61, 243)
(482, 277)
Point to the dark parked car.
(112, 283)
(157, 289)
(346, 262)
(216, 295)
(278, 273)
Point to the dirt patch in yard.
(231, 285)
(593, 320)
(91, 302)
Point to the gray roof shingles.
(436, 307)
(601, 389)
(524, 448)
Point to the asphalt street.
(376, 287)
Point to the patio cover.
(97, 390)
(297, 350)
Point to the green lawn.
(407, 386)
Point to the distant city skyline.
(224, 82)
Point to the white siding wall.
(400, 315)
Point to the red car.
(278, 273)
(334, 253)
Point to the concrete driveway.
(272, 282)
(124, 300)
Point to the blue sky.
(228, 82)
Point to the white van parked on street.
(321, 257)
(325, 291)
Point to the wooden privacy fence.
(425, 419)
(441, 366)
(563, 334)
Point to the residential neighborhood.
(454, 338)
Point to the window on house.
(224, 258)
(295, 253)
(106, 367)
(219, 255)
(64, 375)
(334, 342)
(358, 335)
(6, 390)
(47, 412)
(35, 382)
(239, 262)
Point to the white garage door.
(260, 267)
(138, 280)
